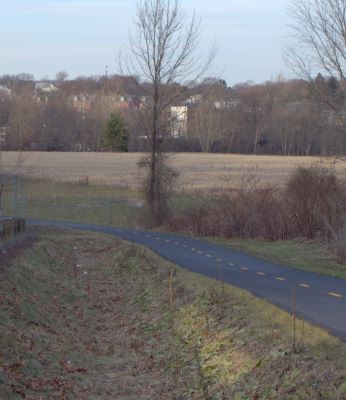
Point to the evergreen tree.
(115, 134)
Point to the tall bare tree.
(206, 125)
(162, 53)
(319, 30)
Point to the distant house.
(45, 87)
(222, 105)
(125, 102)
(118, 102)
(194, 99)
(4, 91)
(82, 103)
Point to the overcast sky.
(82, 36)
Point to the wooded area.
(294, 117)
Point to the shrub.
(248, 211)
(312, 205)
(317, 202)
(253, 212)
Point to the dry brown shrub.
(197, 221)
(317, 202)
(312, 205)
(250, 210)
(255, 211)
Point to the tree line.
(286, 117)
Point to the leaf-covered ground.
(90, 317)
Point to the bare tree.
(319, 30)
(162, 55)
(206, 124)
(61, 76)
(209, 120)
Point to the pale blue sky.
(82, 36)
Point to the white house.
(45, 87)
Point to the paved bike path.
(319, 299)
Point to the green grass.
(308, 256)
(99, 204)
(76, 202)
(88, 316)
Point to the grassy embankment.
(86, 316)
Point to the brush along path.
(317, 298)
(85, 316)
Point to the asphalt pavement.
(319, 299)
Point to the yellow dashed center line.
(304, 285)
(339, 296)
(279, 278)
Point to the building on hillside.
(111, 103)
(4, 91)
(82, 103)
(45, 87)
(223, 105)
(194, 99)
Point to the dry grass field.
(197, 171)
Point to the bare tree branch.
(319, 36)
(162, 53)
